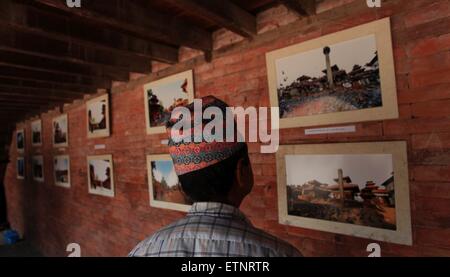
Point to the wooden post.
(341, 185)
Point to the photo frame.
(60, 134)
(36, 133)
(344, 77)
(98, 119)
(346, 188)
(37, 168)
(163, 95)
(100, 173)
(20, 168)
(61, 171)
(20, 140)
(164, 188)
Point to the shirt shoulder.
(202, 237)
(275, 247)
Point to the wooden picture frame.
(61, 171)
(98, 117)
(177, 90)
(101, 165)
(20, 140)
(37, 168)
(310, 96)
(20, 162)
(153, 192)
(36, 133)
(60, 133)
(379, 211)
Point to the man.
(216, 176)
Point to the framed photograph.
(357, 189)
(97, 111)
(37, 168)
(164, 95)
(61, 131)
(343, 77)
(61, 170)
(164, 187)
(20, 140)
(36, 133)
(101, 175)
(20, 168)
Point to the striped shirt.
(213, 230)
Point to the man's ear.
(242, 172)
(239, 174)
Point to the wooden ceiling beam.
(54, 77)
(27, 99)
(140, 21)
(57, 66)
(40, 46)
(302, 7)
(42, 22)
(222, 12)
(42, 93)
(16, 82)
(49, 99)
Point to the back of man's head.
(209, 171)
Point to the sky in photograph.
(166, 93)
(96, 110)
(36, 126)
(100, 167)
(62, 121)
(61, 164)
(346, 54)
(324, 168)
(164, 169)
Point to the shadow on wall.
(5, 141)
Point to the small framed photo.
(164, 187)
(356, 189)
(20, 168)
(61, 170)
(36, 133)
(61, 131)
(37, 168)
(344, 77)
(97, 111)
(163, 96)
(20, 140)
(101, 175)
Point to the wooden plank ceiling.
(51, 54)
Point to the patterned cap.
(200, 152)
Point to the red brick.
(436, 9)
(433, 237)
(421, 80)
(424, 173)
(434, 92)
(430, 45)
(431, 141)
(431, 109)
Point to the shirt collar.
(216, 210)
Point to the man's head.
(212, 171)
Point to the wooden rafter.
(32, 44)
(302, 7)
(223, 12)
(69, 29)
(22, 60)
(139, 21)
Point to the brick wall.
(51, 217)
